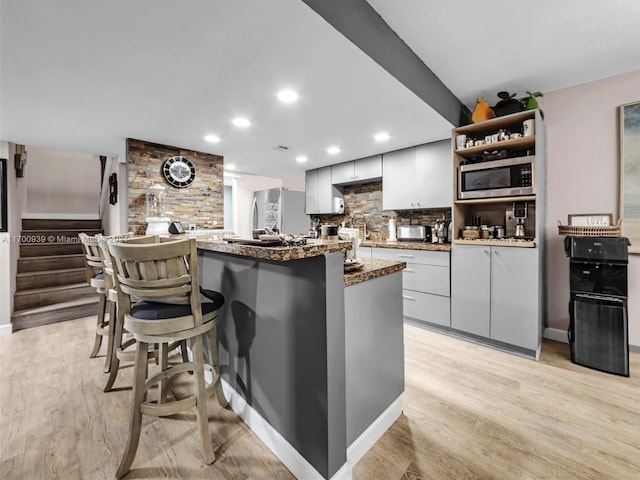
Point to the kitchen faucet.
(364, 222)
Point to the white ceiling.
(478, 48)
(84, 75)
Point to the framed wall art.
(3, 195)
(630, 173)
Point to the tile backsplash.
(201, 203)
(367, 198)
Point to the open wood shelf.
(515, 144)
(496, 243)
(522, 198)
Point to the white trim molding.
(290, 457)
(372, 434)
(61, 216)
(6, 329)
(556, 334)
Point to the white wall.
(243, 188)
(294, 183)
(582, 132)
(114, 219)
(61, 184)
(9, 249)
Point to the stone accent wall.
(367, 198)
(201, 203)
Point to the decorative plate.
(353, 266)
(178, 171)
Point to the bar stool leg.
(111, 333)
(201, 400)
(117, 344)
(139, 394)
(164, 364)
(213, 361)
(102, 303)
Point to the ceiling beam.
(365, 28)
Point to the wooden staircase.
(51, 281)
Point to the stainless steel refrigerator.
(282, 208)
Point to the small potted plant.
(530, 102)
(508, 104)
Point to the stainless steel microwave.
(509, 177)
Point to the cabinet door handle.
(407, 297)
(410, 270)
(486, 252)
(495, 253)
(405, 256)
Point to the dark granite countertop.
(373, 268)
(438, 247)
(314, 248)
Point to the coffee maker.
(514, 220)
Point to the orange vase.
(482, 111)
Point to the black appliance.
(598, 328)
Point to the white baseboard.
(365, 441)
(6, 329)
(556, 334)
(275, 442)
(290, 457)
(61, 216)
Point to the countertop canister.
(392, 229)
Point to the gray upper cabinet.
(311, 191)
(435, 170)
(357, 171)
(320, 192)
(418, 177)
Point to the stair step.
(56, 224)
(50, 278)
(39, 297)
(55, 235)
(58, 312)
(50, 262)
(48, 249)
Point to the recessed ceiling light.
(212, 138)
(241, 122)
(333, 150)
(287, 96)
(301, 159)
(229, 166)
(381, 137)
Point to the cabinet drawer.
(426, 278)
(425, 257)
(426, 307)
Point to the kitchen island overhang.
(299, 354)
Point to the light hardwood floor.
(470, 412)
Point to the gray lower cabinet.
(515, 296)
(425, 283)
(471, 289)
(494, 293)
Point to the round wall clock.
(178, 171)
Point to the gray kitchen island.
(311, 358)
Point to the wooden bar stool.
(164, 279)
(121, 350)
(95, 278)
